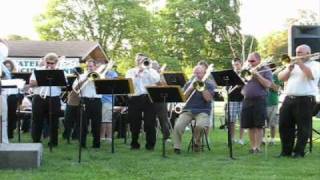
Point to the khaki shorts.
(273, 116)
(106, 113)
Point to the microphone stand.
(82, 110)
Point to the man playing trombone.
(198, 108)
(254, 107)
(139, 105)
(91, 104)
(302, 78)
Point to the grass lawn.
(63, 164)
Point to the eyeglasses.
(51, 63)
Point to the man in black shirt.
(235, 103)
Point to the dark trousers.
(140, 108)
(92, 111)
(71, 122)
(120, 122)
(12, 101)
(40, 112)
(162, 114)
(296, 111)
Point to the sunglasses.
(50, 63)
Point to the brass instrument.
(246, 72)
(99, 73)
(198, 86)
(146, 63)
(286, 59)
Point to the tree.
(120, 26)
(15, 37)
(198, 29)
(276, 43)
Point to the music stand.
(227, 78)
(122, 100)
(50, 78)
(175, 78)
(21, 75)
(113, 87)
(165, 94)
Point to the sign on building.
(30, 64)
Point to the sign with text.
(30, 64)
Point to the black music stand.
(175, 78)
(50, 78)
(227, 78)
(21, 75)
(165, 94)
(122, 100)
(113, 87)
(26, 77)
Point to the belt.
(91, 99)
(255, 98)
(299, 97)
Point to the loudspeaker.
(298, 35)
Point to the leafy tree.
(196, 29)
(15, 37)
(120, 26)
(276, 43)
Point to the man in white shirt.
(92, 103)
(139, 105)
(301, 79)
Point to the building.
(28, 54)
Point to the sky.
(258, 17)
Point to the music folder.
(50, 77)
(114, 86)
(21, 75)
(169, 93)
(175, 78)
(70, 80)
(227, 78)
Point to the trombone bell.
(199, 86)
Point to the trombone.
(99, 73)
(199, 85)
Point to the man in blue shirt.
(197, 108)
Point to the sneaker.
(168, 140)
(196, 148)
(258, 150)
(271, 143)
(241, 142)
(252, 151)
(109, 140)
(177, 151)
(102, 139)
(135, 146)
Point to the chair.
(203, 136)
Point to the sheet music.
(19, 83)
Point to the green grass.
(63, 164)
